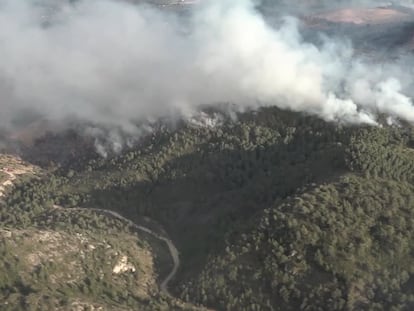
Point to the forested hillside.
(273, 210)
(55, 258)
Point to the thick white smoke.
(114, 63)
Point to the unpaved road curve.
(171, 247)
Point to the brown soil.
(363, 16)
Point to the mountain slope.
(54, 258)
(273, 211)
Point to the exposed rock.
(10, 168)
(123, 266)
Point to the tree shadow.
(209, 196)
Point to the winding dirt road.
(171, 247)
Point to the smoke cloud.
(113, 63)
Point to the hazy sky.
(112, 63)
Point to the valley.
(255, 163)
(251, 206)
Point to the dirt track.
(171, 247)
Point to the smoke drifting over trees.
(113, 63)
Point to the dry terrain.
(365, 16)
(11, 168)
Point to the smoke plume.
(115, 63)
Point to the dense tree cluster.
(273, 211)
